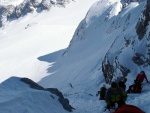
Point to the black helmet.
(142, 72)
(114, 85)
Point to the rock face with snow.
(143, 21)
(109, 41)
(11, 12)
(111, 64)
(104, 47)
(139, 58)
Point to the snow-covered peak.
(106, 9)
(25, 39)
(94, 43)
(13, 83)
(19, 95)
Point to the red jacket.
(141, 77)
(128, 109)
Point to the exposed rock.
(108, 71)
(35, 3)
(138, 59)
(9, 9)
(148, 10)
(143, 21)
(11, 12)
(18, 11)
(5, 13)
(140, 29)
(62, 100)
(55, 91)
(45, 5)
(32, 84)
(65, 103)
(2, 9)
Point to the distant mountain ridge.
(11, 12)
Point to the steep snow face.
(23, 40)
(106, 37)
(99, 36)
(18, 97)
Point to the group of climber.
(117, 94)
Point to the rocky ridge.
(11, 12)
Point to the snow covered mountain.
(111, 41)
(24, 39)
(103, 38)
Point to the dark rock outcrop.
(32, 84)
(55, 91)
(108, 71)
(62, 100)
(143, 21)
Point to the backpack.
(122, 85)
(102, 93)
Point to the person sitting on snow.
(102, 92)
(136, 87)
(115, 94)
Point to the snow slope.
(92, 40)
(77, 70)
(101, 35)
(18, 97)
(22, 41)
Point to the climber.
(122, 84)
(102, 92)
(141, 76)
(115, 94)
(136, 87)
